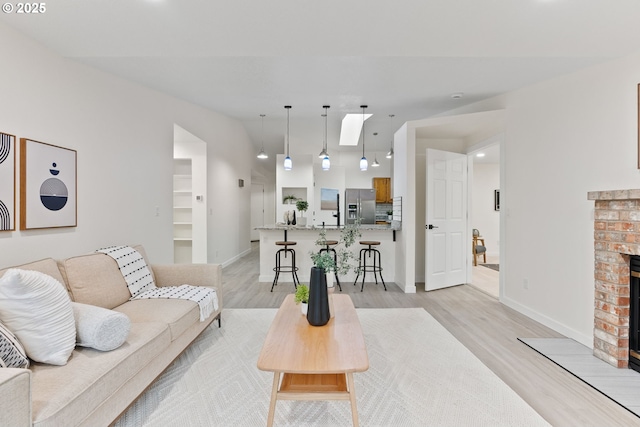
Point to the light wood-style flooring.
(486, 279)
(480, 322)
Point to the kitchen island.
(306, 243)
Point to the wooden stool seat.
(369, 242)
(330, 242)
(283, 243)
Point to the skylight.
(351, 128)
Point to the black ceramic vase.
(318, 311)
(293, 222)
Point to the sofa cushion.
(92, 376)
(95, 279)
(48, 266)
(37, 309)
(178, 314)
(100, 328)
(12, 354)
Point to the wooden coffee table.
(314, 362)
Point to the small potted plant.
(389, 215)
(302, 297)
(289, 199)
(302, 206)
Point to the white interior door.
(257, 209)
(446, 220)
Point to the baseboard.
(235, 258)
(548, 322)
(408, 289)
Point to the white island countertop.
(395, 225)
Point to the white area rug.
(419, 375)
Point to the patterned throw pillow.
(12, 355)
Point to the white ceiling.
(406, 57)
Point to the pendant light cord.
(363, 133)
(324, 146)
(262, 116)
(288, 107)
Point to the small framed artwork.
(7, 182)
(48, 186)
(328, 199)
(496, 200)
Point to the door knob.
(431, 226)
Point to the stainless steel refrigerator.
(360, 203)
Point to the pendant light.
(262, 154)
(288, 164)
(326, 163)
(375, 163)
(363, 161)
(390, 153)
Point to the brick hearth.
(616, 235)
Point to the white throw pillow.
(12, 354)
(37, 309)
(100, 328)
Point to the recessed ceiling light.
(480, 155)
(457, 95)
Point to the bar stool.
(328, 248)
(376, 268)
(286, 268)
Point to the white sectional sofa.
(95, 387)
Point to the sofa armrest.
(15, 389)
(209, 275)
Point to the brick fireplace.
(617, 236)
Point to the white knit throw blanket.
(140, 282)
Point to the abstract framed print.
(7, 182)
(48, 185)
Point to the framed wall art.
(48, 185)
(7, 182)
(328, 199)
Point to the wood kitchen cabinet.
(383, 190)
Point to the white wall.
(123, 134)
(485, 180)
(404, 165)
(564, 137)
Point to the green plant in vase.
(302, 206)
(289, 199)
(302, 297)
(346, 259)
(323, 260)
(302, 294)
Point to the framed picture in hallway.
(7, 182)
(48, 185)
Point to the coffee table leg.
(352, 397)
(274, 396)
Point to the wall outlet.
(525, 284)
